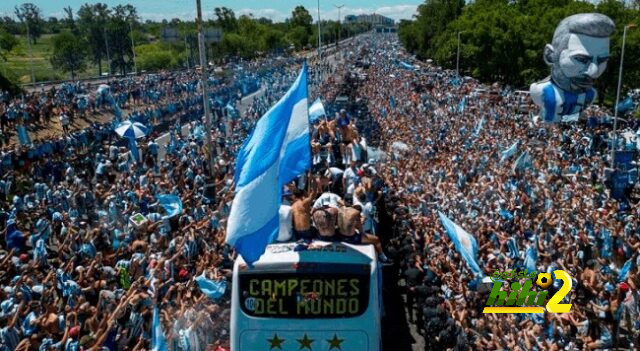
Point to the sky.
(277, 10)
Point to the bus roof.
(317, 251)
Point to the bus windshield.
(309, 290)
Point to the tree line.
(111, 38)
(503, 40)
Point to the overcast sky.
(277, 10)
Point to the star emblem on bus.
(275, 342)
(335, 343)
(305, 342)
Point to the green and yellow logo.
(521, 299)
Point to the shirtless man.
(324, 219)
(301, 213)
(350, 227)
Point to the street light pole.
(106, 45)
(615, 110)
(319, 35)
(339, 22)
(33, 77)
(458, 57)
(205, 89)
(133, 49)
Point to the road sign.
(170, 35)
(212, 35)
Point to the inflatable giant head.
(579, 51)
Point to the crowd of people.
(533, 195)
(80, 270)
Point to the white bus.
(327, 297)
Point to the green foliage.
(7, 43)
(69, 53)
(30, 15)
(503, 40)
(154, 57)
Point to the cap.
(623, 287)
(74, 332)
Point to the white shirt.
(286, 223)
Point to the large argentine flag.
(277, 151)
(464, 242)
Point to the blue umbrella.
(131, 130)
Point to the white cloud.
(397, 12)
(272, 14)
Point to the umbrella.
(171, 203)
(102, 88)
(399, 146)
(131, 130)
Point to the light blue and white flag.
(316, 111)
(510, 151)
(522, 162)
(171, 204)
(462, 104)
(625, 105)
(211, 288)
(464, 242)
(512, 245)
(406, 65)
(392, 102)
(531, 257)
(479, 126)
(277, 151)
(23, 135)
(624, 271)
(158, 341)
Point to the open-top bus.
(327, 297)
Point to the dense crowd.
(79, 271)
(544, 207)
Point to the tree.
(31, 15)
(93, 20)
(301, 17)
(226, 19)
(69, 53)
(7, 43)
(118, 33)
(153, 57)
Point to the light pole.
(133, 49)
(458, 57)
(106, 45)
(33, 77)
(615, 110)
(205, 88)
(339, 22)
(319, 35)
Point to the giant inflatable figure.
(577, 55)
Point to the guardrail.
(134, 74)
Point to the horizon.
(277, 11)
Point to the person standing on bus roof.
(301, 211)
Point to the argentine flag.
(316, 111)
(509, 152)
(276, 152)
(158, 341)
(464, 242)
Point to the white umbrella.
(131, 130)
(101, 88)
(399, 146)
